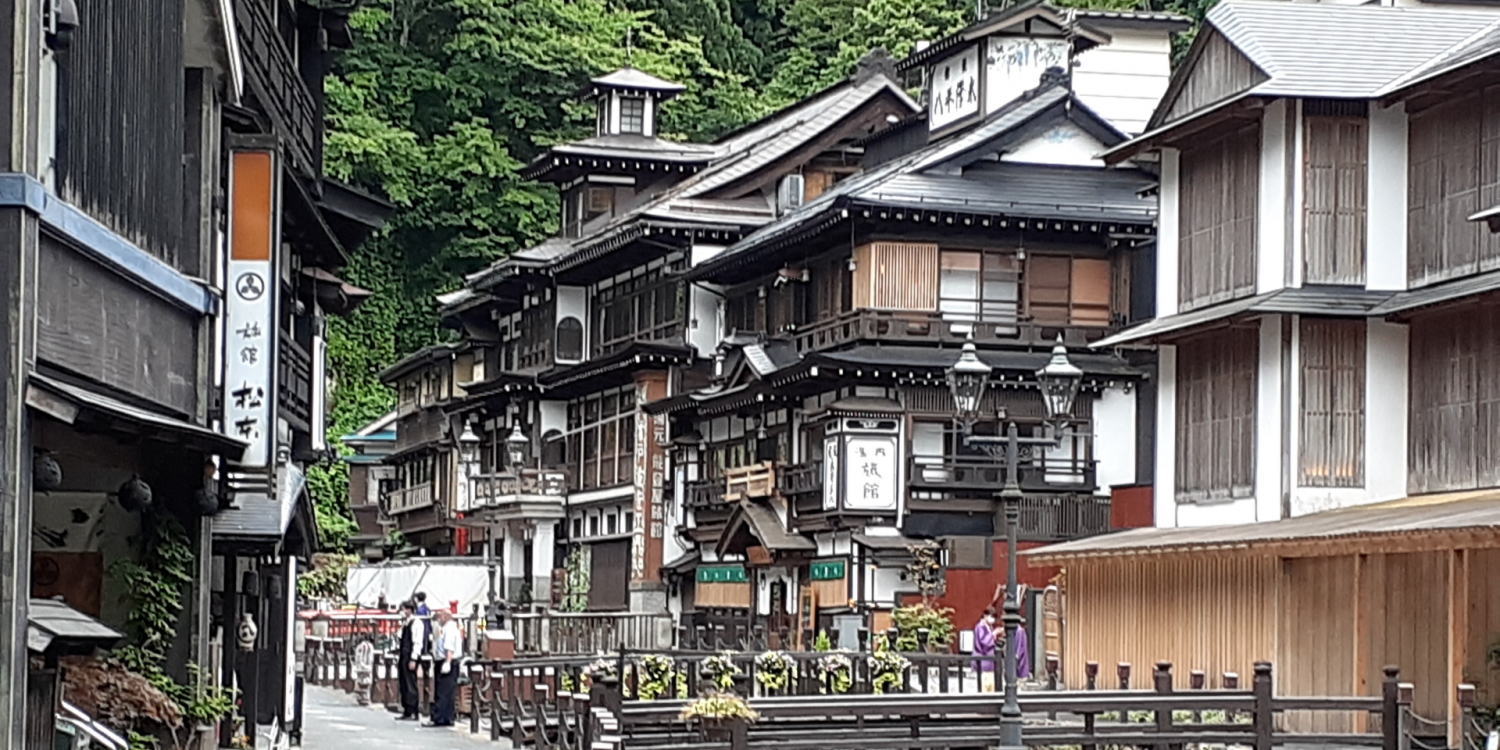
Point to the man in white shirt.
(447, 647)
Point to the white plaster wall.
(1114, 437)
(1065, 144)
(883, 584)
(1122, 81)
(1164, 493)
(573, 302)
(553, 415)
(1385, 204)
(1268, 408)
(1270, 230)
(1294, 234)
(1168, 224)
(703, 307)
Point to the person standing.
(984, 645)
(447, 646)
(413, 643)
(421, 599)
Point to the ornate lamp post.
(968, 379)
(515, 446)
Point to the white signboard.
(955, 88)
(1014, 65)
(870, 472)
(831, 474)
(250, 359)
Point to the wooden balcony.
(272, 75)
(795, 480)
(408, 499)
(754, 480)
(1061, 517)
(986, 474)
(704, 493)
(534, 493)
(294, 383)
(918, 327)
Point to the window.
(601, 201)
(577, 528)
(1454, 426)
(633, 115)
(1068, 291)
(594, 524)
(570, 339)
(1332, 430)
(970, 552)
(645, 306)
(1453, 172)
(601, 439)
(1335, 142)
(612, 523)
(1216, 381)
(978, 286)
(629, 521)
(1218, 183)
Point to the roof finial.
(630, 46)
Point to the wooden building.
(174, 248)
(1325, 333)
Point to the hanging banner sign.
(250, 302)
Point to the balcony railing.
(1037, 474)
(937, 327)
(1061, 517)
(295, 374)
(755, 480)
(273, 76)
(408, 499)
(499, 491)
(800, 479)
(704, 493)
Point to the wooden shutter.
(1332, 422)
(1216, 394)
(1335, 151)
(1091, 292)
(1489, 176)
(896, 276)
(814, 183)
(609, 575)
(1218, 186)
(1047, 288)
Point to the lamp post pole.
(1059, 381)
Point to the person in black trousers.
(447, 648)
(413, 644)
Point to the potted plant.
(721, 670)
(837, 673)
(887, 667)
(717, 714)
(773, 670)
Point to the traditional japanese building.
(1326, 334)
(174, 243)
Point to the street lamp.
(1059, 381)
(516, 445)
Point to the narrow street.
(332, 720)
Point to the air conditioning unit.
(789, 193)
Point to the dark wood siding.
(96, 324)
(1216, 377)
(1332, 427)
(1218, 191)
(1218, 72)
(1334, 170)
(120, 120)
(1455, 400)
(609, 575)
(1454, 171)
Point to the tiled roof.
(631, 78)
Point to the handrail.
(865, 324)
(405, 499)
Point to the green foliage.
(822, 642)
(837, 672)
(154, 585)
(328, 485)
(660, 676)
(719, 707)
(773, 669)
(887, 667)
(327, 576)
(721, 670)
(576, 593)
(912, 618)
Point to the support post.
(1390, 712)
(1264, 717)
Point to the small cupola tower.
(628, 102)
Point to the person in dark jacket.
(413, 644)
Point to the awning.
(334, 294)
(1436, 294)
(74, 404)
(885, 542)
(52, 627)
(682, 563)
(1326, 301)
(1412, 524)
(761, 522)
(262, 517)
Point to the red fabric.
(970, 591)
(1132, 507)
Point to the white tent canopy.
(446, 580)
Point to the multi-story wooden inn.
(720, 390)
(1326, 464)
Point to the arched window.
(569, 339)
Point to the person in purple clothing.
(1023, 654)
(984, 645)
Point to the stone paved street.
(333, 721)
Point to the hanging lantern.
(134, 494)
(1059, 381)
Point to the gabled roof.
(933, 178)
(632, 78)
(1483, 44)
(1020, 15)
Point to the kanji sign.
(870, 472)
(250, 336)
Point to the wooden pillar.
(1359, 643)
(1458, 638)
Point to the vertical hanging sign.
(250, 335)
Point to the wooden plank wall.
(896, 276)
(1334, 166)
(1455, 400)
(1315, 641)
(1483, 624)
(1219, 71)
(1214, 613)
(1332, 435)
(722, 595)
(1216, 377)
(1453, 172)
(1218, 198)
